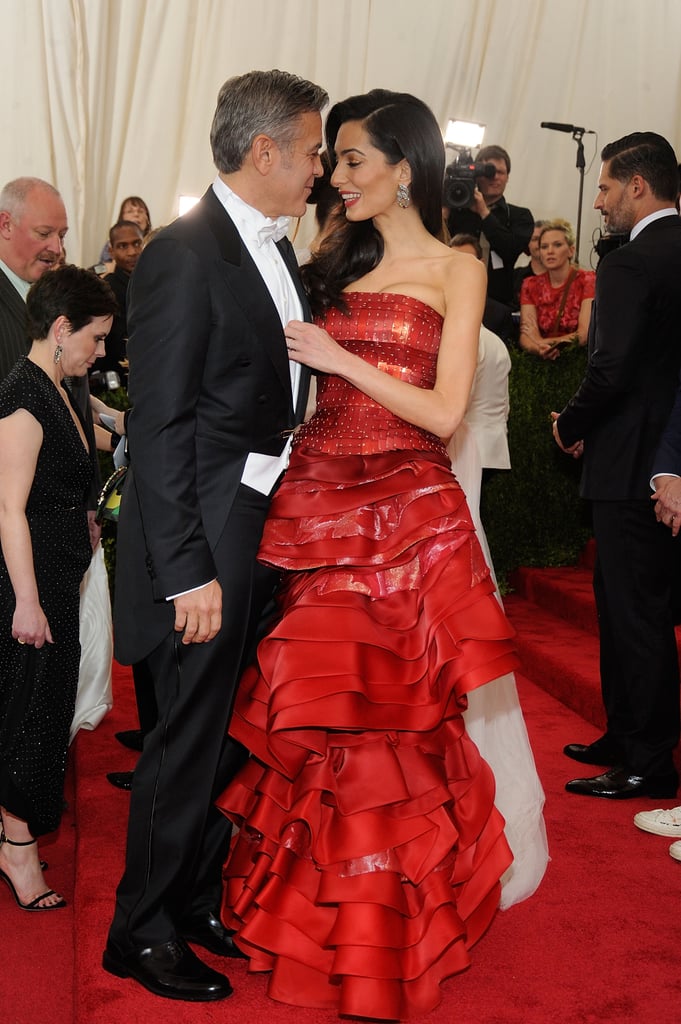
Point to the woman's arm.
(584, 320)
(20, 439)
(99, 407)
(439, 410)
(530, 338)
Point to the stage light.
(464, 134)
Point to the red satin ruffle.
(369, 854)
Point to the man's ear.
(263, 150)
(638, 185)
(5, 224)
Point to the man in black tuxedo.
(617, 418)
(214, 401)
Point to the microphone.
(557, 126)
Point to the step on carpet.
(554, 614)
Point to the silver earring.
(57, 354)
(403, 196)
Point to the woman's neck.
(560, 276)
(41, 354)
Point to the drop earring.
(403, 196)
(57, 354)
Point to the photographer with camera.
(474, 197)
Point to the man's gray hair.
(259, 103)
(14, 194)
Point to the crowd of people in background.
(248, 490)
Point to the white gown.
(94, 698)
(494, 721)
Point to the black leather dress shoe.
(209, 931)
(171, 970)
(601, 751)
(121, 780)
(133, 739)
(620, 784)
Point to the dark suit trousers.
(177, 840)
(633, 576)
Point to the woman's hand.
(549, 351)
(30, 625)
(94, 529)
(536, 345)
(312, 346)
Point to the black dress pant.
(633, 577)
(177, 840)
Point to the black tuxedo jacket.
(209, 382)
(623, 403)
(14, 340)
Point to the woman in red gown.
(369, 853)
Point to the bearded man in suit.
(214, 400)
(616, 419)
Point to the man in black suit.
(33, 225)
(125, 241)
(32, 228)
(214, 401)
(617, 418)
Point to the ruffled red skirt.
(369, 852)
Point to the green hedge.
(533, 514)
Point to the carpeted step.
(558, 656)
(566, 591)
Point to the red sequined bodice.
(401, 336)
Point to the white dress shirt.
(260, 234)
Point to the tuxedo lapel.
(247, 287)
(289, 257)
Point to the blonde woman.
(555, 307)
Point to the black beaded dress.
(38, 687)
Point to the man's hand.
(576, 450)
(479, 205)
(667, 500)
(199, 614)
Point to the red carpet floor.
(597, 943)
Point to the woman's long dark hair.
(401, 127)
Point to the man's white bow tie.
(274, 229)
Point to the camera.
(104, 380)
(460, 180)
(605, 243)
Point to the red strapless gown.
(370, 851)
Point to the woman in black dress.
(45, 470)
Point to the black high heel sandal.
(33, 905)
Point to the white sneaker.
(661, 823)
(675, 851)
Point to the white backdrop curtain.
(105, 98)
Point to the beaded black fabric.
(38, 687)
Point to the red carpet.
(597, 943)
